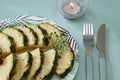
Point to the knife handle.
(103, 73)
(89, 68)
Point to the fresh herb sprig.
(59, 42)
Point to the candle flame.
(71, 5)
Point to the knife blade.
(101, 48)
(101, 40)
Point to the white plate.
(26, 19)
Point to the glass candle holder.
(72, 9)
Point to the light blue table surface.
(98, 12)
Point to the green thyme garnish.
(60, 43)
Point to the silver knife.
(101, 48)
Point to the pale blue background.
(99, 11)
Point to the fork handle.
(102, 67)
(89, 67)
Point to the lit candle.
(71, 8)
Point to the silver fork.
(88, 41)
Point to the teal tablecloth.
(99, 12)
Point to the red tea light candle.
(71, 8)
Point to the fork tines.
(88, 29)
(88, 34)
